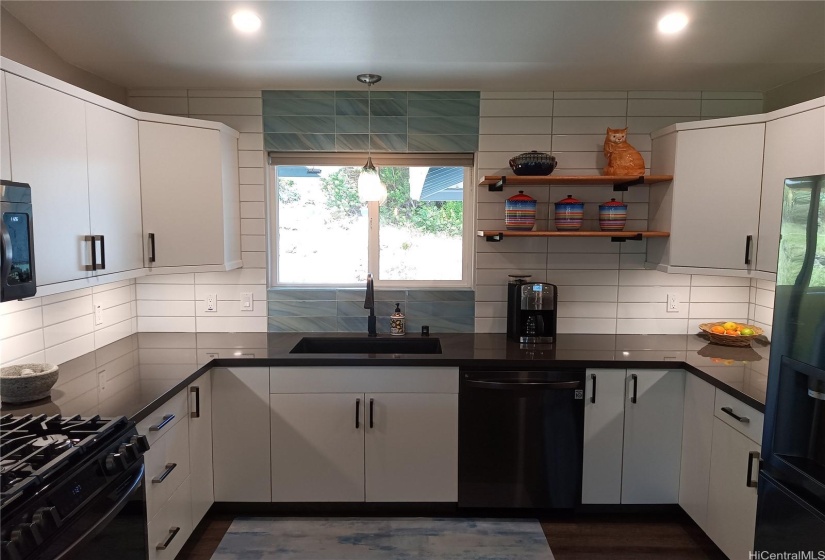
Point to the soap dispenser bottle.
(397, 322)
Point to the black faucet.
(369, 303)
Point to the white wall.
(61, 327)
(603, 287)
(177, 302)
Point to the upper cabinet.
(794, 147)
(5, 160)
(190, 196)
(47, 132)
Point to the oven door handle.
(77, 545)
(8, 252)
(514, 385)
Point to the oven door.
(113, 526)
(17, 276)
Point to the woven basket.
(728, 339)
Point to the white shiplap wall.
(61, 327)
(603, 287)
(177, 302)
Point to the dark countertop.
(135, 375)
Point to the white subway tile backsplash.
(516, 107)
(111, 298)
(642, 294)
(491, 325)
(253, 243)
(590, 95)
(491, 293)
(499, 276)
(252, 193)
(166, 324)
(113, 333)
(253, 259)
(590, 326)
(19, 305)
(516, 95)
(719, 294)
(71, 349)
(585, 278)
(116, 314)
(717, 108)
(15, 347)
(514, 143)
(764, 298)
(251, 176)
(225, 106)
(251, 141)
(585, 309)
(511, 260)
(167, 292)
(587, 125)
(155, 308)
(731, 95)
(237, 276)
(723, 311)
(74, 294)
(589, 107)
(664, 107)
(651, 326)
(253, 226)
(13, 324)
(556, 261)
(231, 324)
(664, 94)
(515, 125)
(251, 158)
(253, 210)
(652, 278)
(588, 293)
(656, 310)
(186, 278)
(701, 280)
(69, 309)
(67, 330)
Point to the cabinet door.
(652, 436)
(182, 197)
(5, 161)
(794, 147)
(717, 183)
(200, 446)
(697, 434)
(240, 434)
(731, 502)
(114, 187)
(411, 447)
(603, 436)
(47, 133)
(318, 447)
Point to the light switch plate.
(246, 301)
(98, 314)
(212, 302)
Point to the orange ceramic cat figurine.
(622, 158)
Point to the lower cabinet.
(172, 525)
(200, 446)
(633, 436)
(240, 434)
(335, 441)
(697, 435)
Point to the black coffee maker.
(531, 310)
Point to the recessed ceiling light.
(246, 21)
(673, 23)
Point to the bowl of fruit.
(729, 333)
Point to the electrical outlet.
(246, 301)
(212, 302)
(672, 303)
(98, 314)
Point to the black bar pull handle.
(357, 414)
(102, 252)
(748, 242)
(158, 427)
(729, 411)
(93, 240)
(372, 413)
(593, 391)
(751, 483)
(635, 379)
(162, 476)
(173, 531)
(151, 247)
(197, 392)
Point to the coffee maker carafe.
(531, 310)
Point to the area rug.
(381, 538)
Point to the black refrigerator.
(791, 491)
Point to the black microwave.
(17, 278)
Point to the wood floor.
(583, 537)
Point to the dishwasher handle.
(515, 385)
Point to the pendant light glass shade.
(370, 187)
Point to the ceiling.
(477, 45)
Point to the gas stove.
(52, 468)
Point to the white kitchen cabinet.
(326, 449)
(167, 465)
(200, 446)
(697, 435)
(652, 436)
(711, 208)
(731, 518)
(411, 452)
(794, 147)
(169, 529)
(114, 188)
(5, 154)
(318, 443)
(47, 139)
(241, 434)
(190, 196)
(603, 436)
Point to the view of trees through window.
(323, 227)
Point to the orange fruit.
(717, 329)
(732, 333)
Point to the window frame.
(357, 159)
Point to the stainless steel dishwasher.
(520, 438)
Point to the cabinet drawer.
(175, 517)
(153, 426)
(751, 420)
(167, 464)
(363, 380)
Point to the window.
(324, 235)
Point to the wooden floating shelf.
(618, 236)
(619, 182)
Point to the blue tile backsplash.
(330, 310)
(399, 121)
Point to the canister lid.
(521, 197)
(569, 200)
(613, 202)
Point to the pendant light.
(370, 187)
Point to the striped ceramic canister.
(612, 215)
(520, 212)
(569, 212)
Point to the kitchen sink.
(366, 345)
